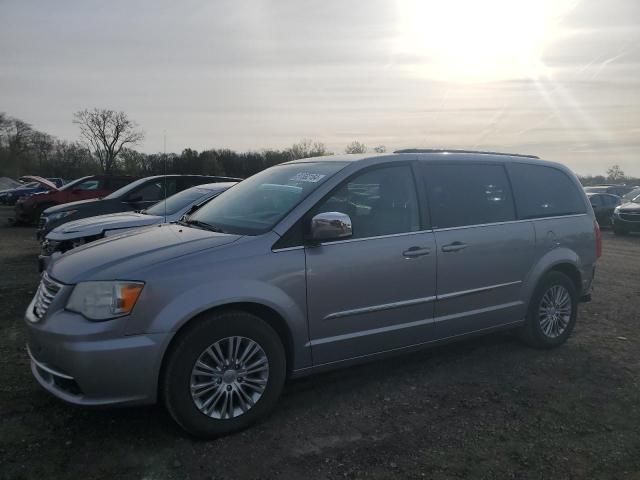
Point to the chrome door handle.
(454, 247)
(416, 252)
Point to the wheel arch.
(268, 314)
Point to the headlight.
(104, 300)
(616, 211)
(54, 217)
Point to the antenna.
(164, 180)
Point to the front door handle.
(413, 252)
(454, 247)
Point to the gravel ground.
(485, 408)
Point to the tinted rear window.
(542, 191)
(468, 194)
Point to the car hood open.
(43, 181)
(91, 226)
(125, 256)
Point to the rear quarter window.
(542, 191)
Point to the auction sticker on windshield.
(307, 177)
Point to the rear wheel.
(552, 311)
(223, 374)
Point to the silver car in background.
(311, 265)
(79, 232)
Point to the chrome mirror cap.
(331, 226)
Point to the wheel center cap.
(229, 376)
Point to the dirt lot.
(486, 408)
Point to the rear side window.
(596, 200)
(542, 191)
(468, 194)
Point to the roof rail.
(447, 150)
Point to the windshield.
(28, 185)
(127, 188)
(255, 205)
(73, 183)
(632, 196)
(177, 202)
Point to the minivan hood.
(125, 256)
(90, 226)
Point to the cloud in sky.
(559, 79)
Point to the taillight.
(596, 230)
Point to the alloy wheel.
(555, 311)
(229, 377)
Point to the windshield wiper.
(204, 226)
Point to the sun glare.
(474, 40)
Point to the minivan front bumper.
(90, 370)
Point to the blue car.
(10, 197)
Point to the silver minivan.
(310, 265)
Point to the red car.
(28, 209)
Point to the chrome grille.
(47, 290)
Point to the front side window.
(257, 204)
(380, 202)
(542, 191)
(468, 194)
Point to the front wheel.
(552, 311)
(223, 374)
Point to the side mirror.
(331, 226)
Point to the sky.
(559, 78)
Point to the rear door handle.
(416, 252)
(454, 247)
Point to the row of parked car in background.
(616, 206)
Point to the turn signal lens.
(126, 296)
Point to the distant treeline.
(27, 151)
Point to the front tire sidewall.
(186, 350)
(532, 332)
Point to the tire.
(207, 334)
(540, 330)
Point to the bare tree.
(43, 146)
(356, 147)
(380, 149)
(106, 133)
(307, 148)
(615, 174)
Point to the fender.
(202, 298)
(552, 258)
